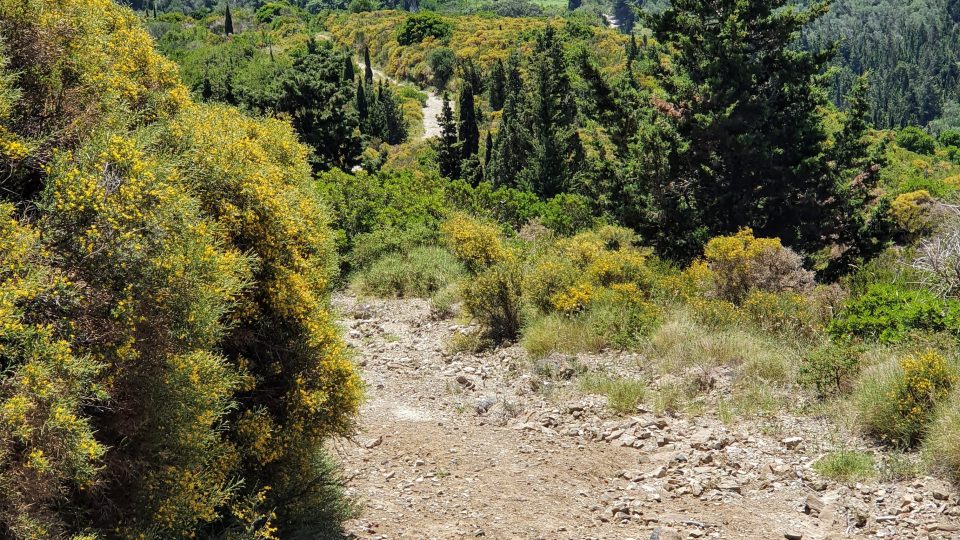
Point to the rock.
(484, 404)
(792, 442)
(463, 381)
(729, 485)
(793, 535)
(373, 443)
(659, 472)
(813, 506)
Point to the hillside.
(276, 270)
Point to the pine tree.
(228, 21)
(467, 130)
(367, 66)
(498, 85)
(448, 151)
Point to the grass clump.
(846, 466)
(623, 394)
(896, 400)
(942, 446)
(422, 272)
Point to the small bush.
(896, 401)
(419, 273)
(742, 263)
(420, 26)
(443, 302)
(938, 263)
(846, 466)
(831, 369)
(786, 314)
(567, 214)
(913, 212)
(916, 140)
(623, 394)
(889, 314)
(942, 446)
(622, 318)
(949, 137)
(493, 297)
(475, 243)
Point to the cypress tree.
(512, 147)
(498, 85)
(377, 120)
(623, 12)
(487, 150)
(367, 66)
(361, 105)
(574, 4)
(349, 72)
(396, 128)
(448, 151)
(228, 21)
(468, 132)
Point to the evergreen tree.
(487, 150)
(753, 128)
(556, 145)
(377, 119)
(448, 151)
(228, 21)
(625, 16)
(360, 103)
(514, 82)
(349, 72)
(574, 4)
(512, 147)
(467, 130)
(396, 125)
(631, 49)
(498, 85)
(367, 66)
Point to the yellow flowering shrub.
(913, 212)
(789, 314)
(741, 263)
(494, 298)
(896, 404)
(475, 243)
(48, 446)
(183, 380)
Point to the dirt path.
(466, 446)
(431, 108)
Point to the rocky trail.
(457, 445)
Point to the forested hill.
(911, 50)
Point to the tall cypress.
(498, 85)
(625, 16)
(487, 150)
(349, 72)
(448, 151)
(367, 66)
(228, 21)
(396, 125)
(363, 108)
(468, 132)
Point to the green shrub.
(895, 402)
(567, 214)
(420, 273)
(831, 369)
(418, 27)
(949, 137)
(443, 64)
(942, 445)
(889, 314)
(846, 466)
(623, 318)
(557, 333)
(916, 140)
(493, 297)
